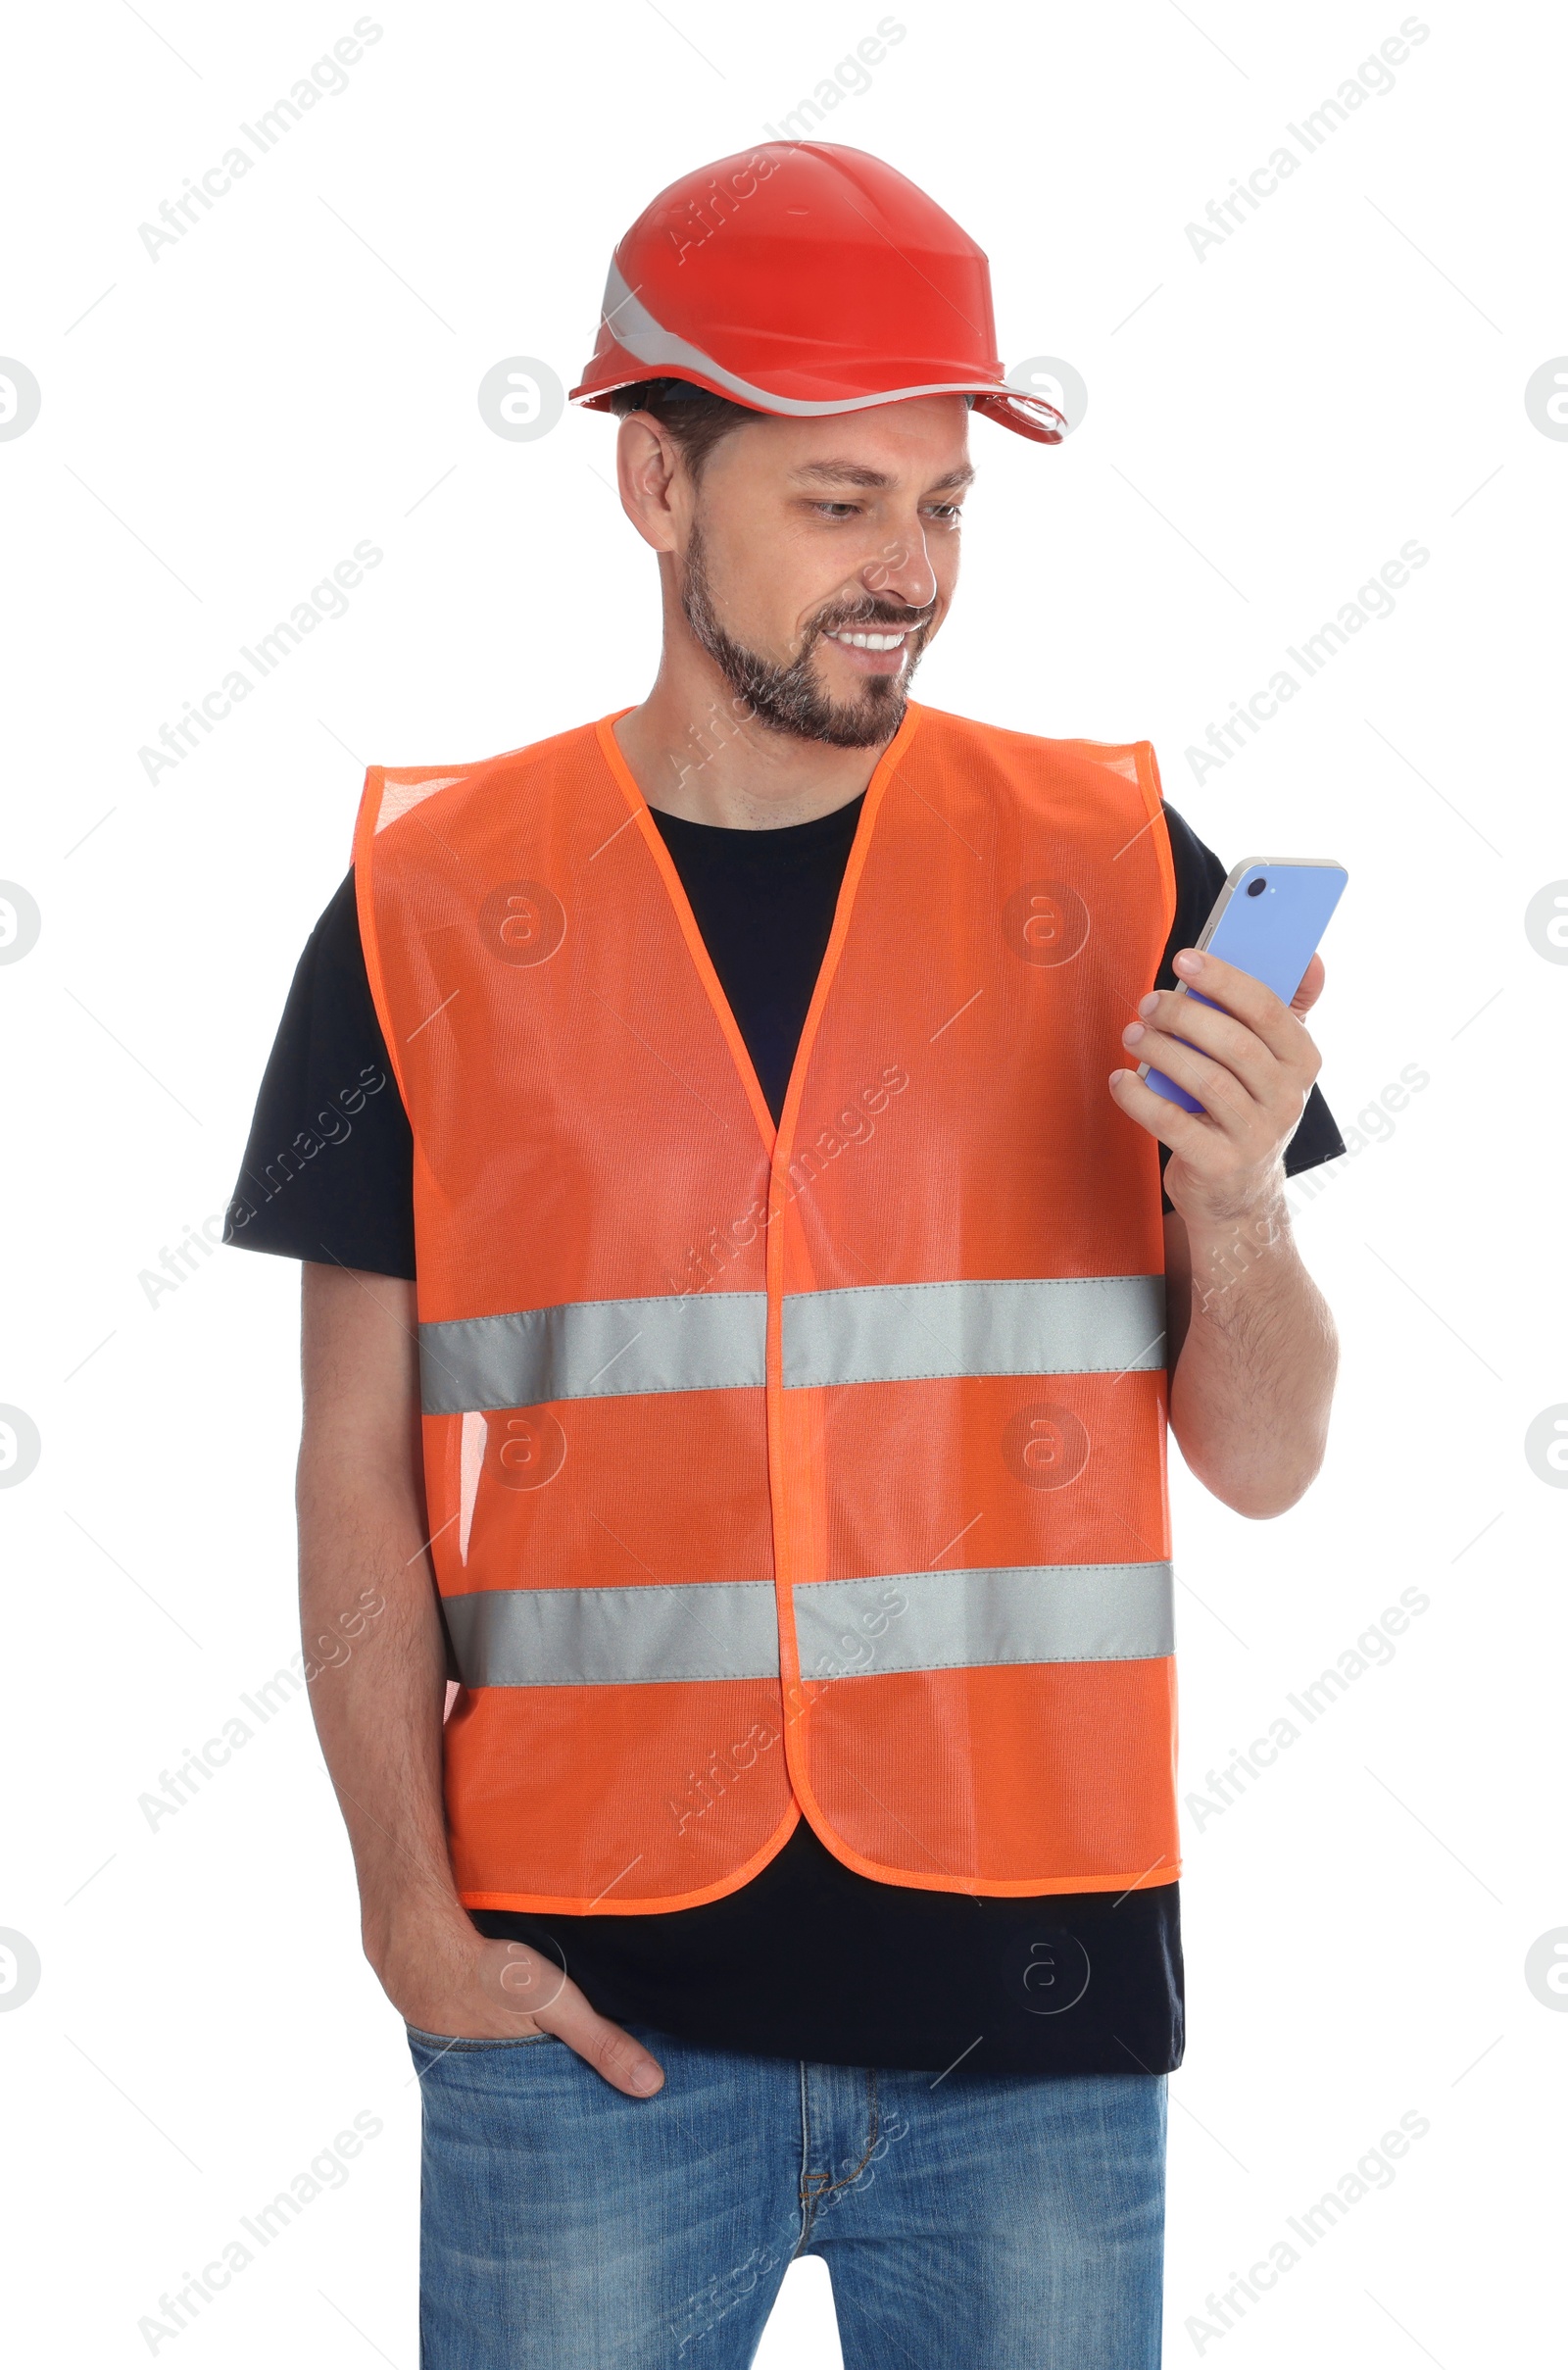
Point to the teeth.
(870, 641)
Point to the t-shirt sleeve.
(1200, 879)
(328, 1171)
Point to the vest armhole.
(365, 832)
(1148, 783)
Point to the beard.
(791, 699)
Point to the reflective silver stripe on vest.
(866, 1333)
(727, 1629)
(1037, 1612)
(595, 1349)
(609, 1637)
(1091, 1324)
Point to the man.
(716, 1141)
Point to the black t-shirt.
(808, 1959)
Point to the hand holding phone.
(1266, 921)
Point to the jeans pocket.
(456, 2042)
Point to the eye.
(949, 513)
(837, 509)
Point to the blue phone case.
(1267, 921)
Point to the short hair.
(695, 419)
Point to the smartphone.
(1267, 921)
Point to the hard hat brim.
(1026, 415)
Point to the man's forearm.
(377, 1708)
(1252, 1383)
(378, 1713)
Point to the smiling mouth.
(858, 640)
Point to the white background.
(1265, 427)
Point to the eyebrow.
(852, 472)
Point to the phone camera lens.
(1256, 888)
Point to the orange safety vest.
(813, 1470)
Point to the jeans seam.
(812, 2199)
(807, 2206)
(471, 2043)
(851, 2178)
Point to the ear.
(649, 473)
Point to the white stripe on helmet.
(634, 328)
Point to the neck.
(693, 752)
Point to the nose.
(902, 570)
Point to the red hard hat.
(803, 278)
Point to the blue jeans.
(1006, 2222)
